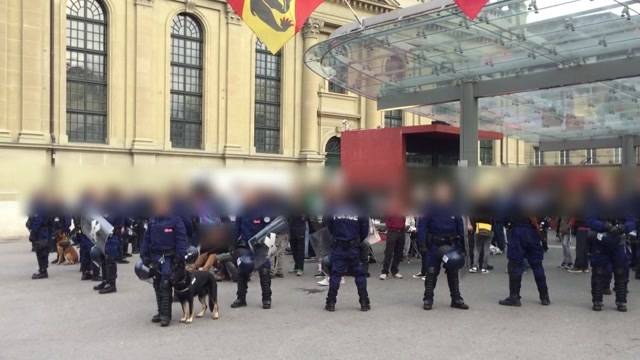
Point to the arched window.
(86, 71)
(186, 82)
(332, 150)
(267, 106)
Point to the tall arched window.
(186, 82)
(267, 117)
(86, 71)
(332, 151)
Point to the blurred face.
(442, 193)
(161, 206)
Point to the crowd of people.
(195, 230)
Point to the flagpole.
(354, 13)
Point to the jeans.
(393, 251)
(481, 249)
(297, 248)
(565, 239)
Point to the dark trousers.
(498, 236)
(393, 251)
(347, 260)
(297, 248)
(42, 254)
(582, 250)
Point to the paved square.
(63, 318)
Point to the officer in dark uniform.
(608, 251)
(38, 224)
(256, 214)
(88, 268)
(113, 211)
(349, 229)
(441, 234)
(163, 249)
(525, 242)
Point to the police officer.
(163, 250)
(441, 240)
(113, 212)
(524, 242)
(257, 213)
(38, 224)
(609, 223)
(88, 269)
(349, 229)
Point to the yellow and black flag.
(274, 21)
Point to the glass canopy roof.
(433, 45)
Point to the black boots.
(241, 299)
(164, 309)
(156, 288)
(265, 285)
(41, 274)
(430, 280)
(514, 292)
(453, 280)
(544, 296)
(365, 304)
(598, 278)
(330, 307)
(86, 275)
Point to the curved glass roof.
(434, 46)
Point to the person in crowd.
(89, 270)
(349, 227)
(441, 239)
(163, 249)
(39, 226)
(297, 232)
(394, 244)
(113, 212)
(565, 224)
(257, 213)
(581, 261)
(610, 222)
(525, 243)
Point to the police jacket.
(346, 224)
(438, 222)
(250, 221)
(38, 223)
(164, 235)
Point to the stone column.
(309, 145)
(5, 133)
(144, 113)
(34, 65)
(237, 121)
(372, 115)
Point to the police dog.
(67, 254)
(187, 285)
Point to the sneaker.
(299, 272)
(383, 276)
(319, 275)
(562, 266)
(473, 270)
(418, 276)
(574, 270)
(324, 282)
(398, 276)
(484, 271)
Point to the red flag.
(471, 8)
(274, 21)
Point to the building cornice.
(371, 6)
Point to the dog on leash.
(202, 284)
(67, 254)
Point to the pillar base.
(27, 137)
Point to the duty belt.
(439, 240)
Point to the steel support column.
(468, 125)
(628, 151)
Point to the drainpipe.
(52, 134)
